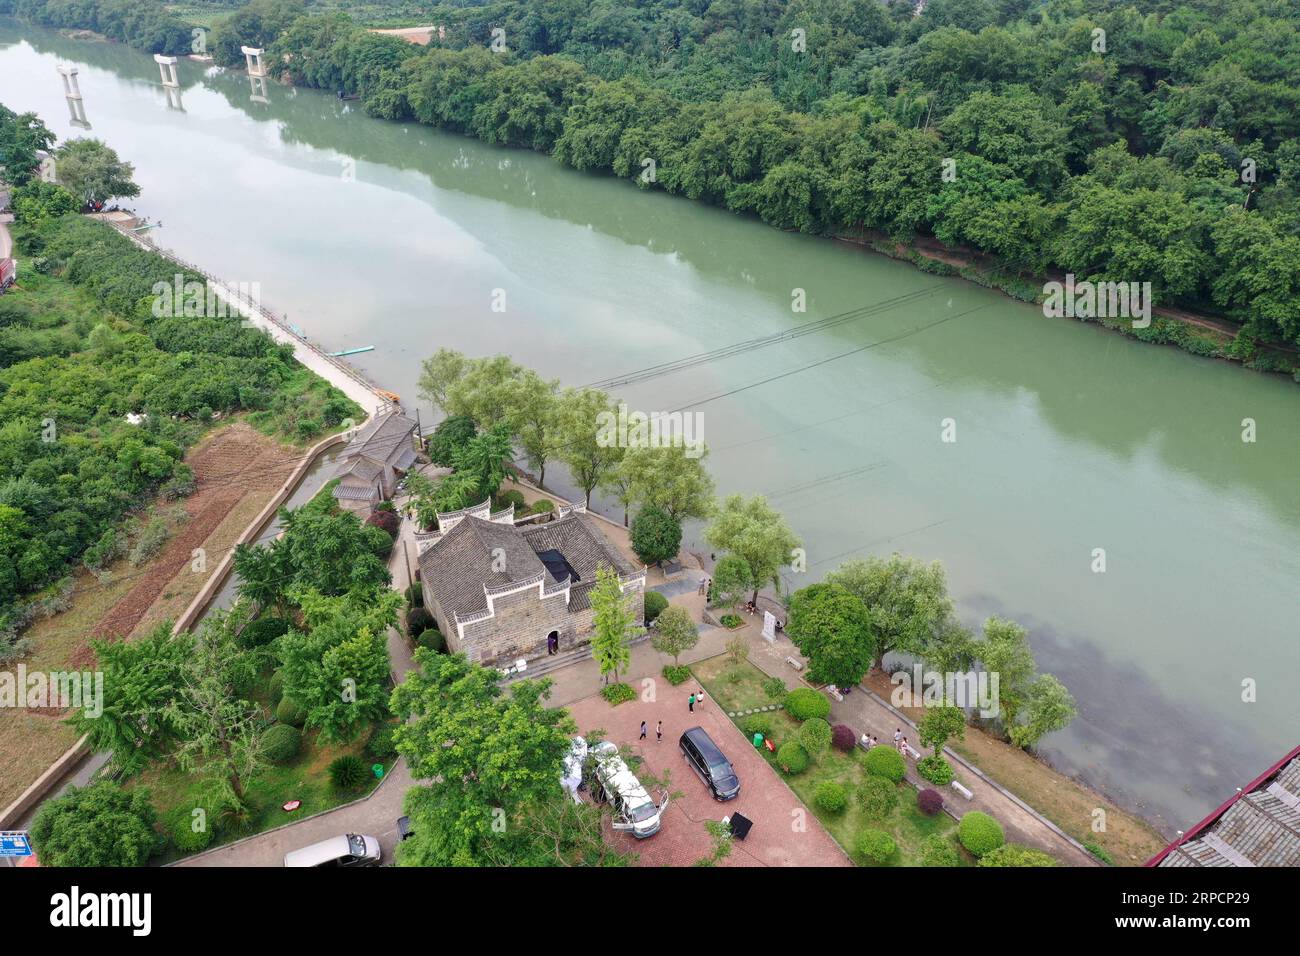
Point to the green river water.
(1069, 438)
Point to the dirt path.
(235, 463)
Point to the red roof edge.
(1223, 808)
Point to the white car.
(635, 811)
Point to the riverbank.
(1198, 334)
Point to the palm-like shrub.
(347, 772)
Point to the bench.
(795, 663)
(834, 692)
(962, 790)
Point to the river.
(1068, 438)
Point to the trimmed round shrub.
(937, 850)
(929, 801)
(417, 621)
(415, 594)
(877, 797)
(348, 772)
(1016, 854)
(815, 735)
(980, 833)
(654, 606)
(263, 631)
(433, 640)
(388, 521)
(189, 833)
(874, 846)
(757, 724)
(804, 703)
(843, 738)
(275, 687)
(543, 506)
(381, 745)
(885, 762)
(282, 743)
(676, 674)
(935, 769)
(290, 712)
(831, 796)
(791, 757)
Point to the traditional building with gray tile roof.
(499, 590)
(370, 464)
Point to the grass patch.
(304, 778)
(739, 687)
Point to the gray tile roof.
(356, 492)
(360, 467)
(383, 438)
(458, 565)
(1260, 828)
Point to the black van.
(710, 763)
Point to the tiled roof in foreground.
(1260, 826)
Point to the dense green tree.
(906, 600)
(141, 678)
(589, 460)
(656, 535)
(219, 730)
(831, 628)
(613, 624)
(98, 825)
(336, 666)
(92, 171)
(487, 759)
(753, 530)
(675, 632)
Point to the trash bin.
(758, 740)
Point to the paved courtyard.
(785, 832)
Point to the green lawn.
(736, 688)
(304, 778)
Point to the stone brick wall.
(521, 625)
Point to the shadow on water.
(1177, 749)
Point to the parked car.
(350, 849)
(710, 763)
(635, 811)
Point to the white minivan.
(634, 810)
(350, 849)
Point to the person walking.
(659, 732)
(643, 730)
(690, 702)
(699, 697)
(898, 735)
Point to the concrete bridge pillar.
(257, 89)
(253, 57)
(167, 67)
(70, 88)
